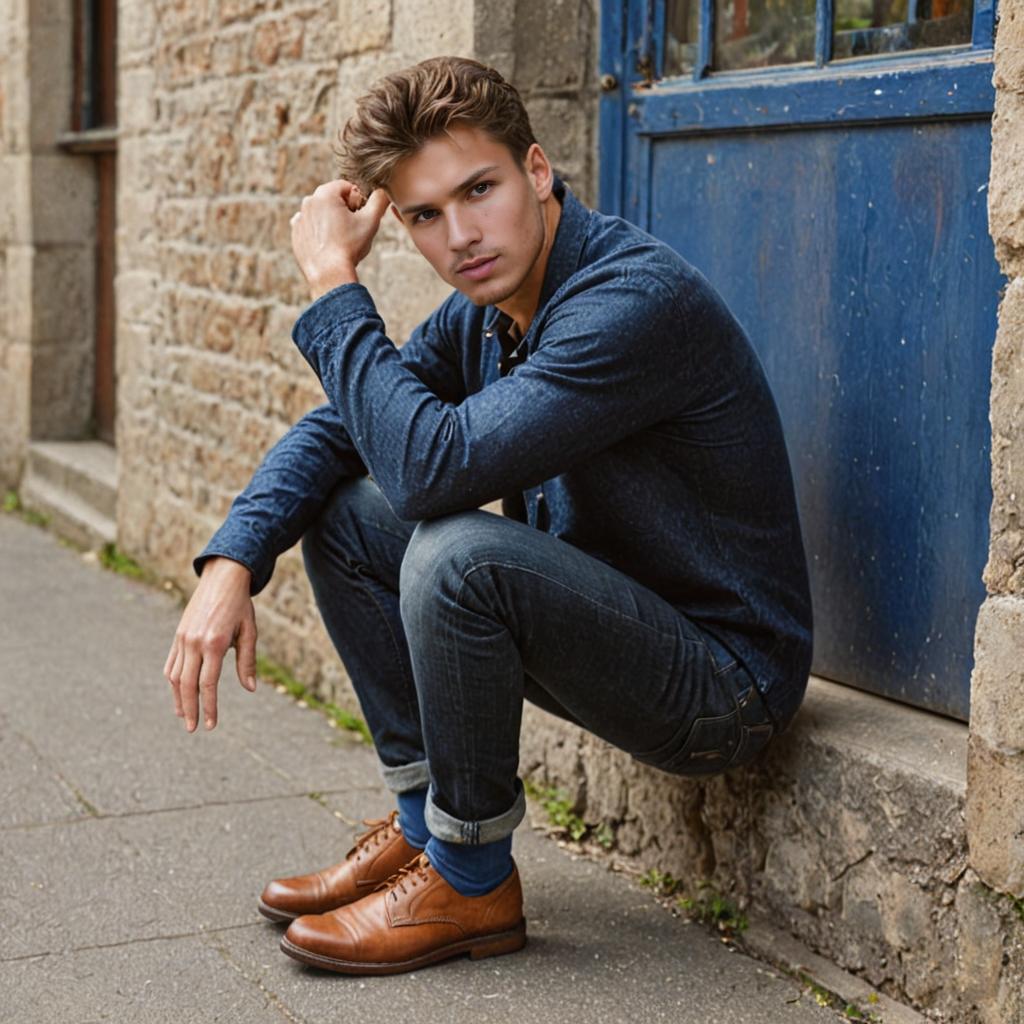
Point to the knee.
(442, 553)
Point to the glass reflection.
(890, 26)
(682, 23)
(759, 33)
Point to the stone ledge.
(849, 835)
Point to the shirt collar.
(564, 257)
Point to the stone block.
(494, 36)
(907, 911)
(18, 273)
(137, 296)
(1006, 184)
(425, 28)
(995, 817)
(49, 14)
(997, 711)
(1005, 570)
(16, 199)
(62, 391)
(63, 199)
(551, 45)
(979, 943)
(421, 292)
(50, 84)
(1009, 47)
(561, 128)
(15, 86)
(136, 28)
(241, 10)
(362, 25)
(278, 41)
(136, 104)
(63, 294)
(15, 392)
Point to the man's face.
(464, 198)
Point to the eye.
(481, 184)
(419, 218)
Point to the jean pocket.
(709, 747)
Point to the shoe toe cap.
(325, 934)
(281, 894)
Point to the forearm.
(285, 495)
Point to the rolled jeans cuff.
(473, 833)
(404, 778)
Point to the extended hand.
(334, 231)
(219, 615)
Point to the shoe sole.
(275, 915)
(484, 946)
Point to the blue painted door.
(830, 180)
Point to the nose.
(463, 231)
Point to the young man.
(647, 580)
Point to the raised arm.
(601, 371)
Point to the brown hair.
(405, 109)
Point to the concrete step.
(85, 468)
(75, 484)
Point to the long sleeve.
(601, 372)
(298, 474)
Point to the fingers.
(377, 205)
(208, 676)
(188, 685)
(179, 663)
(245, 653)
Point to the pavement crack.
(94, 815)
(272, 997)
(130, 942)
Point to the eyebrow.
(461, 187)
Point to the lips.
(478, 268)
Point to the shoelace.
(378, 827)
(412, 872)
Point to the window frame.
(637, 106)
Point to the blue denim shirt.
(639, 427)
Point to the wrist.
(337, 276)
(221, 565)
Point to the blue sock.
(410, 817)
(471, 870)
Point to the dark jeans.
(445, 626)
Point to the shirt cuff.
(240, 547)
(350, 301)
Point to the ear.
(539, 170)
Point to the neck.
(523, 304)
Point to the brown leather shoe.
(415, 919)
(377, 855)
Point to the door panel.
(840, 208)
(848, 257)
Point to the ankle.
(410, 817)
(471, 870)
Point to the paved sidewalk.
(133, 853)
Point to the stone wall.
(47, 218)
(227, 110)
(995, 810)
(15, 238)
(227, 114)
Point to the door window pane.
(890, 26)
(682, 22)
(758, 33)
